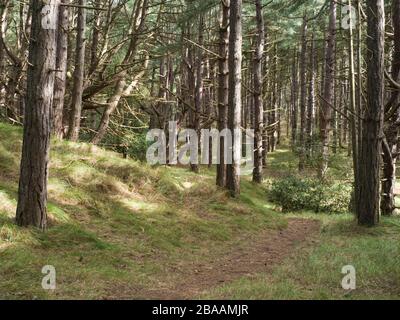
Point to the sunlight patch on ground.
(57, 187)
(80, 173)
(6, 204)
(139, 206)
(187, 185)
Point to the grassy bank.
(116, 226)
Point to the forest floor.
(258, 254)
(120, 229)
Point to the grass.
(118, 227)
(116, 223)
(315, 272)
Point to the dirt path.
(260, 255)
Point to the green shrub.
(137, 145)
(130, 143)
(296, 194)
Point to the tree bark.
(273, 114)
(61, 74)
(235, 99)
(311, 100)
(353, 107)
(294, 100)
(223, 87)
(328, 94)
(368, 200)
(77, 90)
(303, 95)
(3, 76)
(258, 99)
(198, 100)
(392, 127)
(32, 193)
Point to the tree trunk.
(368, 200)
(120, 91)
(258, 100)
(274, 112)
(235, 99)
(112, 104)
(388, 204)
(303, 95)
(360, 81)
(198, 100)
(311, 100)
(266, 105)
(3, 76)
(294, 98)
(61, 74)
(32, 193)
(223, 87)
(327, 103)
(392, 128)
(94, 61)
(77, 90)
(353, 103)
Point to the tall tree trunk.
(32, 193)
(3, 76)
(12, 86)
(223, 87)
(334, 122)
(258, 99)
(280, 112)
(235, 99)
(353, 107)
(273, 113)
(61, 74)
(360, 81)
(303, 94)
(311, 99)
(368, 200)
(77, 90)
(388, 204)
(392, 128)
(198, 100)
(94, 60)
(112, 104)
(328, 94)
(294, 100)
(266, 85)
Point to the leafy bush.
(296, 194)
(130, 143)
(137, 145)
